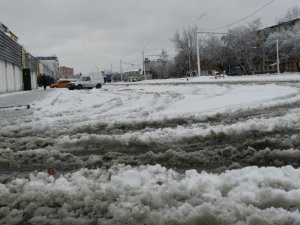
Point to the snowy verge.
(154, 195)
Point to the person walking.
(44, 81)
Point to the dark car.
(107, 79)
(236, 71)
(71, 86)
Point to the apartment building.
(65, 72)
(267, 65)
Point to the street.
(158, 149)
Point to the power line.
(246, 17)
(211, 32)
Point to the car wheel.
(98, 86)
(79, 87)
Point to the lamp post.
(143, 54)
(144, 74)
(121, 70)
(197, 44)
(198, 55)
(189, 45)
(277, 51)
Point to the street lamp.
(121, 70)
(198, 55)
(197, 44)
(189, 45)
(277, 51)
(143, 54)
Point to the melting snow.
(143, 153)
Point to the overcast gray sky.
(93, 34)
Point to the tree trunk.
(298, 66)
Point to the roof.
(283, 23)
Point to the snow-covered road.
(194, 152)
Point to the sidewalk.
(22, 98)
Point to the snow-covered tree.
(185, 45)
(212, 53)
(292, 13)
(289, 45)
(162, 67)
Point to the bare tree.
(162, 67)
(212, 53)
(293, 13)
(242, 43)
(185, 44)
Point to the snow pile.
(287, 77)
(154, 195)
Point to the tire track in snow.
(214, 152)
(18, 136)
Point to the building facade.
(65, 72)
(19, 70)
(30, 69)
(10, 62)
(51, 62)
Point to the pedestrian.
(45, 81)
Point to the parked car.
(90, 81)
(236, 71)
(61, 83)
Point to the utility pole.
(143, 54)
(277, 50)
(198, 55)
(144, 73)
(189, 43)
(197, 44)
(121, 70)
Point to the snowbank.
(241, 137)
(154, 195)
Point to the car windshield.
(81, 78)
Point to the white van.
(91, 80)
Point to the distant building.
(43, 69)
(267, 65)
(19, 70)
(51, 62)
(280, 28)
(65, 72)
